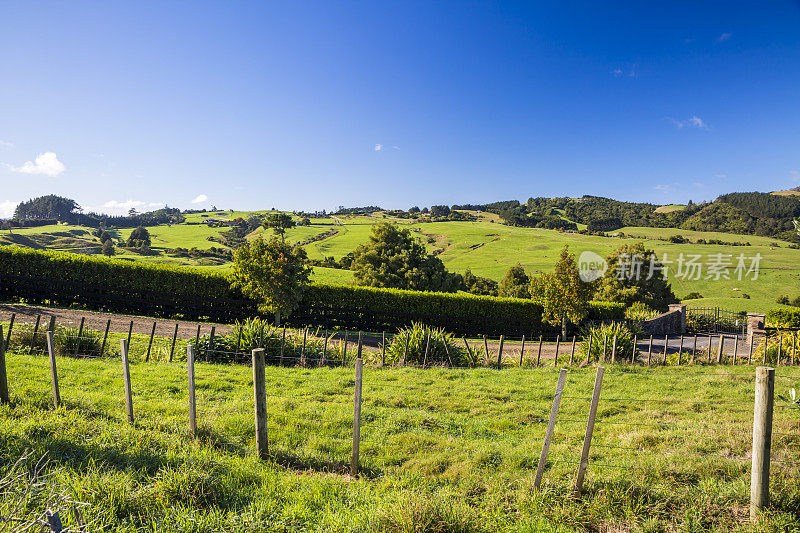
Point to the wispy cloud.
(7, 144)
(662, 188)
(395, 147)
(199, 199)
(378, 147)
(46, 164)
(724, 37)
(7, 208)
(795, 175)
(692, 122)
(628, 72)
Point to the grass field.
(487, 248)
(442, 450)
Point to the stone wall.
(673, 322)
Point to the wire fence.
(409, 415)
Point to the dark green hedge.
(116, 285)
(784, 317)
(606, 310)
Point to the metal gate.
(715, 320)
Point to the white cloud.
(200, 198)
(617, 72)
(378, 147)
(663, 188)
(7, 208)
(795, 175)
(116, 207)
(46, 163)
(7, 144)
(692, 122)
(395, 147)
(724, 37)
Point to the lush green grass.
(442, 450)
(488, 249)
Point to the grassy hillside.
(488, 248)
(442, 450)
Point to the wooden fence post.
(614, 350)
(126, 376)
(551, 424)
(650, 350)
(522, 352)
(10, 327)
(500, 354)
(635, 350)
(794, 345)
(719, 349)
(210, 343)
(130, 332)
(174, 339)
(35, 331)
(150, 344)
(303, 349)
(680, 351)
(605, 345)
(344, 352)
(486, 350)
(762, 440)
(558, 344)
(735, 347)
(260, 399)
(51, 349)
(694, 348)
(587, 438)
(192, 397)
(105, 338)
(572, 352)
(325, 349)
(3, 374)
(283, 343)
(356, 419)
(238, 338)
(52, 326)
(750, 351)
(358, 348)
(80, 334)
(539, 355)
(383, 348)
(666, 347)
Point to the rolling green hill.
(488, 248)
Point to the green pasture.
(487, 248)
(441, 450)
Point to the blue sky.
(311, 105)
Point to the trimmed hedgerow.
(784, 318)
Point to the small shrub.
(592, 347)
(67, 342)
(442, 347)
(640, 311)
(783, 300)
(693, 296)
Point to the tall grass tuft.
(592, 346)
(441, 349)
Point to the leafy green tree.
(516, 284)
(272, 273)
(139, 238)
(108, 248)
(394, 258)
(105, 237)
(478, 285)
(635, 274)
(279, 223)
(564, 297)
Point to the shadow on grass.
(214, 439)
(303, 464)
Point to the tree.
(477, 285)
(108, 248)
(634, 274)
(139, 238)
(279, 223)
(440, 211)
(272, 273)
(47, 207)
(564, 297)
(394, 258)
(105, 236)
(516, 284)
